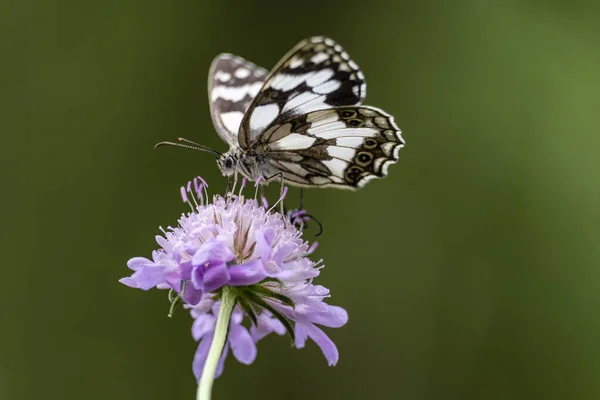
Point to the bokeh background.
(471, 272)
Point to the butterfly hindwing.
(232, 85)
(316, 74)
(343, 147)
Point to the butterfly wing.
(343, 147)
(316, 74)
(232, 85)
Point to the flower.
(240, 340)
(243, 245)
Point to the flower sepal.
(268, 293)
(250, 297)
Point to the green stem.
(216, 347)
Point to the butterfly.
(303, 121)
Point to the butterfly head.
(227, 163)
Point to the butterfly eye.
(228, 163)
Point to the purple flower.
(240, 340)
(256, 252)
(211, 247)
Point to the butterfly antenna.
(206, 150)
(180, 139)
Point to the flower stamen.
(242, 186)
(204, 186)
(189, 190)
(264, 202)
(285, 190)
(185, 198)
(198, 190)
(312, 248)
(256, 185)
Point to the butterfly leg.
(299, 217)
(226, 185)
(235, 180)
(262, 191)
(281, 193)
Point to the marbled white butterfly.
(303, 119)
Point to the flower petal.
(137, 263)
(145, 278)
(192, 296)
(185, 270)
(215, 277)
(203, 325)
(212, 251)
(172, 280)
(247, 274)
(129, 281)
(283, 252)
(221, 364)
(301, 335)
(333, 318)
(197, 276)
(327, 346)
(164, 243)
(242, 345)
(265, 326)
(204, 306)
(263, 247)
(200, 356)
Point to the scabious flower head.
(260, 254)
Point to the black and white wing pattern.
(343, 147)
(232, 85)
(316, 74)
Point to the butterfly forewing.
(317, 74)
(232, 85)
(344, 147)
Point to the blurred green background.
(471, 272)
